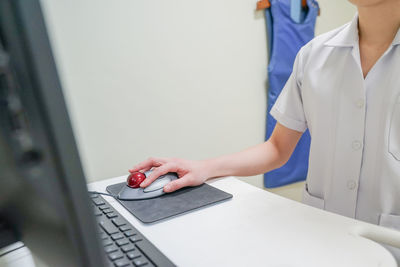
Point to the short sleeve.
(288, 109)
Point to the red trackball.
(135, 179)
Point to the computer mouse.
(132, 191)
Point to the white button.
(351, 184)
(356, 145)
(360, 103)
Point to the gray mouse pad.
(172, 204)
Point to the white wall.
(333, 13)
(178, 78)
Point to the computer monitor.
(43, 196)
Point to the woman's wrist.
(213, 168)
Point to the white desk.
(258, 228)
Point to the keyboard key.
(111, 215)
(117, 236)
(94, 195)
(135, 238)
(109, 227)
(107, 242)
(97, 212)
(133, 254)
(115, 255)
(127, 248)
(122, 263)
(118, 221)
(103, 235)
(122, 242)
(107, 210)
(124, 228)
(111, 248)
(103, 207)
(98, 201)
(140, 261)
(129, 233)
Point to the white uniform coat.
(354, 166)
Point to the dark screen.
(43, 194)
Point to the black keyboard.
(123, 244)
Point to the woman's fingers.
(178, 184)
(157, 172)
(148, 164)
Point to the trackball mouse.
(132, 191)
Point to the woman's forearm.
(257, 159)
(252, 161)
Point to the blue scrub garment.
(285, 38)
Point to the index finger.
(148, 164)
(166, 168)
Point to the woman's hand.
(190, 173)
